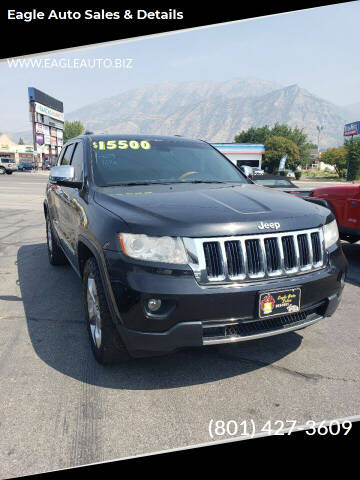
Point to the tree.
(262, 134)
(254, 135)
(72, 129)
(275, 148)
(353, 158)
(21, 141)
(336, 157)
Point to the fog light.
(154, 304)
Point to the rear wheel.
(106, 343)
(56, 255)
(8, 172)
(2, 171)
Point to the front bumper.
(196, 334)
(199, 315)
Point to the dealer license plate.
(280, 302)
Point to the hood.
(206, 210)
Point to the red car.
(344, 201)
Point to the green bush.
(353, 157)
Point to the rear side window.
(77, 162)
(66, 159)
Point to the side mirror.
(63, 176)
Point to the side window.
(66, 159)
(61, 156)
(77, 161)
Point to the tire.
(55, 254)
(350, 238)
(2, 171)
(105, 340)
(8, 173)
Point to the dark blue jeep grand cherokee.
(176, 247)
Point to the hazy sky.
(316, 48)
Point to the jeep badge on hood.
(263, 226)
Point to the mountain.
(167, 97)
(220, 119)
(214, 111)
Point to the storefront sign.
(50, 112)
(40, 138)
(39, 128)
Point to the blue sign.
(351, 129)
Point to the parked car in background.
(273, 181)
(279, 182)
(26, 166)
(344, 202)
(7, 165)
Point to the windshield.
(118, 161)
(265, 182)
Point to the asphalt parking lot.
(59, 408)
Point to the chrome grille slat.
(272, 255)
(316, 248)
(303, 250)
(252, 257)
(235, 261)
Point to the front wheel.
(8, 173)
(350, 238)
(106, 343)
(2, 171)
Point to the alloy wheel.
(94, 311)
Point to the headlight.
(331, 234)
(153, 249)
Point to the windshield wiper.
(205, 181)
(131, 184)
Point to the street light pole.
(319, 128)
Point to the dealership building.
(47, 118)
(249, 154)
(15, 151)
